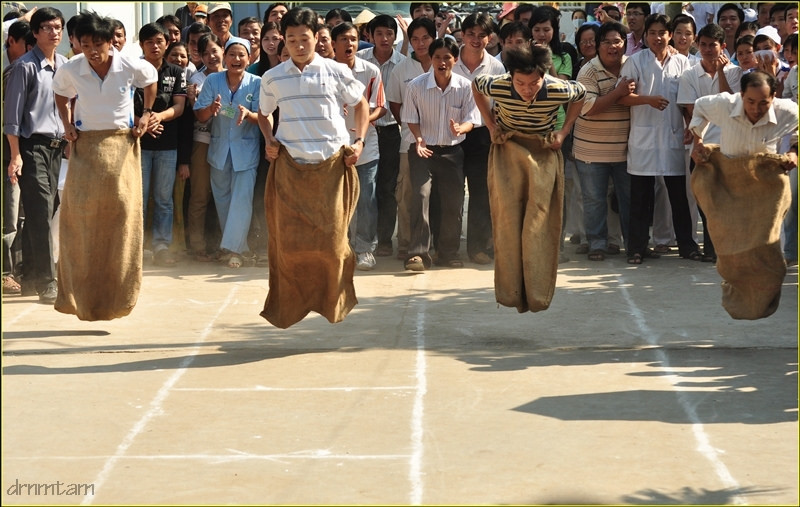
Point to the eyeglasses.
(587, 43)
(51, 29)
(613, 42)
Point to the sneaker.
(365, 261)
(10, 286)
(48, 297)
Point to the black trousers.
(41, 165)
(445, 169)
(479, 217)
(642, 197)
(708, 245)
(386, 181)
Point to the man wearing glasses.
(635, 14)
(35, 135)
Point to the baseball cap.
(219, 6)
(201, 10)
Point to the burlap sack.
(100, 264)
(745, 200)
(526, 194)
(311, 264)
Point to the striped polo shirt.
(536, 117)
(312, 125)
(601, 137)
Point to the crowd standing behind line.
(639, 69)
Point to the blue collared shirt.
(30, 106)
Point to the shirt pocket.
(454, 113)
(644, 138)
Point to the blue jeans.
(790, 222)
(594, 178)
(233, 196)
(160, 166)
(364, 224)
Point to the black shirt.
(171, 84)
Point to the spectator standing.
(35, 137)
(635, 14)
(729, 17)
(220, 20)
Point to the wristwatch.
(147, 110)
(359, 139)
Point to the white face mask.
(577, 22)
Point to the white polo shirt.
(103, 104)
(386, 68)
(403, 74)
(489, 65)
(696, 83)
(312, 124)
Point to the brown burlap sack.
(100, 265)
(311, 264)
(745, 200)
(526, 194)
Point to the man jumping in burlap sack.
(526, 173)
(744, 191)
(312, 185)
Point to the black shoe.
(48, 297)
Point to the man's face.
(611, 49)
(251, 32)
(174, 32)
(778, 21)
(334, 22)
(49, 34)
(525, 18)
(635, 17)
(192, 43)
(324, 45)
(300, 41)
(442, 62)
(96, 51)
(345, 47)
(424, 10)
(459, 37)
(614, 14)
(220, 22)
(383, 38)
(710, 49)
(475, 39)
(527, 85)
(118, 39)
(276, 14)
(515, 40)
(154, 47)
(763, 14)
(420, 41)
(657, 38)
(729, 21)
(790, 25)
(757, 100)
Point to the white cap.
(771, 32)
(750, 15)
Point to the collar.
(430, 82)
(484, 63)
(737, 111)
(315, 62)
(116, 64)
(598, 65)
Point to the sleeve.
(350, 89)
(483, 84)
(393, 93)
(267, 103)
(180, 83)
(62, 82)
(207, 94)
(577, 91)
(471, 112)
(588, 78)
(630, 71)
(144, 74)
(15, 98)
(410, 112)
(687, 93)
(734, 76)
(256, 95)
(707, 110)
(374, 91)
(563, 64)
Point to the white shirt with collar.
(489, 65)
(740, 137)
(368, 75)
(312, 124)
(696, 83)
(103, 104)
(405, 72)
(432, 108)
(386, 68)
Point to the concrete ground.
(635, 387)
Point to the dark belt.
(52, 142)
(393, 126)
(442, 147)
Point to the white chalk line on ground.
(417, 415)
(704, 446)
(23, 314)
(292, 389)
(157, 401)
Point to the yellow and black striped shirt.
(536, 117)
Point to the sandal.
(597, 255)
(693, 256)
(235, 261)
(635, 259)
(613, 249)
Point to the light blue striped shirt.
(312, 124)
(430, 107)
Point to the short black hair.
(747, 25)
(338, 13)
(446, 43)
(734, 7)
(745, 39)
(95, 26)
(45, 14)
(19, 30)
(339, 29)
(791, 42)
(151, 30)
(382, 21)
(682, 19)
(712, 31)
(758, 79)
(789, 6)
(415, 6)
(641, 5)
(528, 59)
(271, 8)
(15, 14)
(612, 8)
(612, 26)
(299, 16)
(777, 8)
(510, 29)
(585, 28)
(652, 19)
(203, 41)
(247, 21)
(522, 9)
(115, 24)
(71, 25)
(425, 23)
(171, 19)
(198, 27)
(481, 20)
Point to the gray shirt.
(30, 106)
